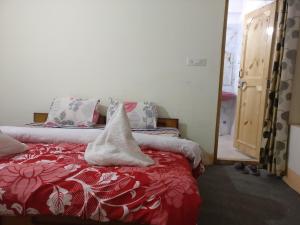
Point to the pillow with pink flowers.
(141, 115)
(9, 145)
(71, 111)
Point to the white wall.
(128, 49)
(235, 10)
(293, 169)
(294, 150)
(234, 36)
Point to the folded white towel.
(116, 145)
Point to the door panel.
(254, 73)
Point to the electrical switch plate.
(191, 61)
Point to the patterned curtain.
(276, 127)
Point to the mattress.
(54, 179)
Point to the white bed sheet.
(189, 149)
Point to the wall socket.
(191, 61)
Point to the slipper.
(253, 170)
(239, 166)
(246, 170)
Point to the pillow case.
(9, 145)
(96, 115)
(141, 115)
(71, 111)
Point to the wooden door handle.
(242, 85)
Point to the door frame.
(221, 76)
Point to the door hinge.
(268, 83)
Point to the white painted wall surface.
(127, 49)
(294, 149)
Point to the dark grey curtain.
(276, 128)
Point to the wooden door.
(254, 74)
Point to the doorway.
(237, 134)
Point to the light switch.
(191, 61)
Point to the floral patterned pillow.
(142, 115)
(72, 111)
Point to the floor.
(233, 198)
(226, 151)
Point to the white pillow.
(71, 111)
(141, 115)
(9, 145)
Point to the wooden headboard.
(161, 122)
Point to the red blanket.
(54, 179)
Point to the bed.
(52, 184)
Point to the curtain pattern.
(276, 127)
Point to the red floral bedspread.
(54, 179)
